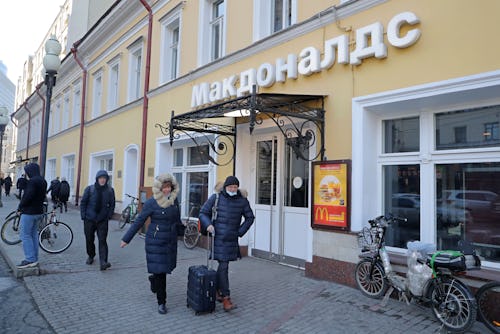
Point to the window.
(135, 66)
(211, 41)
(171, 45)
(297, 178)
(65, 115)
(468, 128)
(114, 84)
(68, 169)
(491, 132)
(468, 202)
(217, 29)
(56, 117)
(106, 163)
(266, 171)
(97, 95)
(190, 168)
(446, 183)
(77, 100)
(271, 16)
(50, 169)
(401, 135)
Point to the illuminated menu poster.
(331, 194)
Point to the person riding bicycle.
(31, 208)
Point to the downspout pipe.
(145, 101)
(74, 50)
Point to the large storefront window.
(266, 171)
(402, 199)
(468, 205)
(401, 135)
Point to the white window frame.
(68, 169)
(97, 93)
(205, 41)
(368, 157)
(135, 71)
(169, 67)
(263, 18)
(65, 111)
(56, 117)
(50, 170)
(96, 162)
(77, 103)
(113, 84)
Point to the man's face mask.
(231, 193)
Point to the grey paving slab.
(271, 298)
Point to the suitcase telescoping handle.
(211, 244)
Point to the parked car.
(478, 202)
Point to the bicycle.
(430, 279)
(488, 307)
(129, 213)
(54, 236)
(192, 231)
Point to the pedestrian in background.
(96, 208)
(31, 208)
(21, 186)
(7, 185)
(161, 236)
(55, 186)
(64, 191)
(232, 205)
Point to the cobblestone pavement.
(77, 298)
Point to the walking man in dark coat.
(21, 185)
(7, 185)
(55, 186)
(96, 208)
(64, 192)
(232, 205)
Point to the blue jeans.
(29, 236)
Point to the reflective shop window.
(468, 207)
(296, 178)
(197, 187)
(402, 199)
(401, 135)
(266, 171)
(470, 128)
(178, 157)
(197, 155)
(179, 179)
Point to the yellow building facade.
(405, 93)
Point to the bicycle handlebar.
(131, 196)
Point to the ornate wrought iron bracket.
(296, 116)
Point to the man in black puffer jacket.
(232, 204)
(31, 209)
(96, 208)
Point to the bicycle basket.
(367, 239)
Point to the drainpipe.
(82, 120)
(145, 101)
(37, 90)
(29, 129)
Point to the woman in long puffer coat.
(161, 236)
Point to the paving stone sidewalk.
(271, 298)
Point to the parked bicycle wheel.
(488, 305)
(453, 305)
(125, 217)
(371, 280)
(191, 235)
(10, 230)
(55, 237)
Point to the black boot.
(152, 283)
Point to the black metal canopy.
(295, 115)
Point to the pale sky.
(23, 25)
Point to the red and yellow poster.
(330, 194)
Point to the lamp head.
(51, 61)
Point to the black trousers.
(65, 205)
(223, 278)
(160, 286)
(90, 228)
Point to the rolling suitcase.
(201, 286)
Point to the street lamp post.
(51, 63)
(4, 120)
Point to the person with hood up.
(31, 208)
(64, 191)
(96, 208)
(161, 236)
(232, 205)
